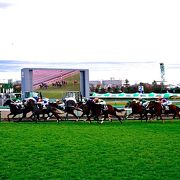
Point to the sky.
(112, 38)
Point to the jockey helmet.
(96, 100)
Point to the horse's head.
(7, 103)
(128, 104)
(89, 102)
(132, 104)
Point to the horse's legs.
(57, 117)
(160, 115)
(14, 116)
(86, 112)
(129, 115)
(106, 115)
(97, 119)
(72, 112)
(8, 117)
(119, 118)
(89, 118)
(77, 118)
(146, 116)
(35, 117)
(140, 117)
(23, 116)
(83, 115)
(49, 116)
(66, 117)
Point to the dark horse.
(155, 108)
(70, 107)
(14, 109)
(137, 108)
(84, 108)
(92, 109)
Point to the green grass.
(78, 150)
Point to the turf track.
(78, 150)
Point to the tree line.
(127, 88)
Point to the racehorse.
(113, 111)
(70, 107)
(137, 108)
(97, 110)
(38, 109)
(155, 108)
(30, 106)
(15, 109)
(173, 109)
(85, 109)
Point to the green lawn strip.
(78, 150)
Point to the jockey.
(18, 104)
(143, 102)
(101, 102)
(60, 104)
(44, 102)
(164, 102)
(70, 99)
(31, 99)
(70, 106)
(70, 103)
(96, 100)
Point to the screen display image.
(55, 83)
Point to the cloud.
(4, 5)
(9, 65)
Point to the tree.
(126, 83)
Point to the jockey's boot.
(166, 107)
(163, 109)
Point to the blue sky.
(43, 32)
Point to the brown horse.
(95, 110)
(155, 108)
(137, 109)
(113, 111)
(173, 109)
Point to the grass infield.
(78, 150)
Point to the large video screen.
(55, 83)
